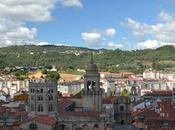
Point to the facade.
(68, 88)
(40, 122)
(123, 111)
(43, 98)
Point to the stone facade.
(123, 111)
(42, 98)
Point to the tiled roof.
(64, 103)
(42, 119)
(81, 114)
(109, 100)
(159, 93)
(15, 128)
(163, 111)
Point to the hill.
(67, 58)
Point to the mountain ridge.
(73, 58)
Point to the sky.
(109, 24)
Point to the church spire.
(92, 59)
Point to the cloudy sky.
(111, 24)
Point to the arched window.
(50, 97)
(33, 126)
(85, 127)
(93, 84)
(32, 107)
(51, 107)
(41, 90)
(121, 108)
(96, 127)
(40, 108)
(122, 122)
(40, 98)
(32, 98)
(88, 85)
(74, 127)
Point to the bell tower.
(92, 93)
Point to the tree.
(52, 76)
(125, 93)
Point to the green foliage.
(125, 93)
(48, 67)
(65, 59)
(52, 76)
(44, 71)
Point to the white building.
(68, 88)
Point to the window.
(32, 107)
(122, 122)
(121, 108)
(50, 97)
(40, 98)
(41, 90)
(32, 98)
(40, 108)
(51, 107)
(33, 126)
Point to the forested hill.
(72, 58)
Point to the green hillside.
(67, 58)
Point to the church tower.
(92, 93)
(42, 98)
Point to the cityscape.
(87, 65)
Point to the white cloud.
(92, 38)
(163, 16)
(42, 43)
(163, 31)
(14, 15)
(27, 10)
(112, 45)
(152, 44)
(71, 3)
(149, 44)
(110, 32)
(98, 38)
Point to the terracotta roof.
(81, 114)
(164, 111)
(21, 113)
(159, 93)
(109, 100)
(42, 119)
(64, 103)
(15, 128)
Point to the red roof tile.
(109, 100)
(64, 103)
(42, 119)
(81, 114)
(159, 93)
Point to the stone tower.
(42, 98)
(123, 108)
(134, 93)
(92, 93)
